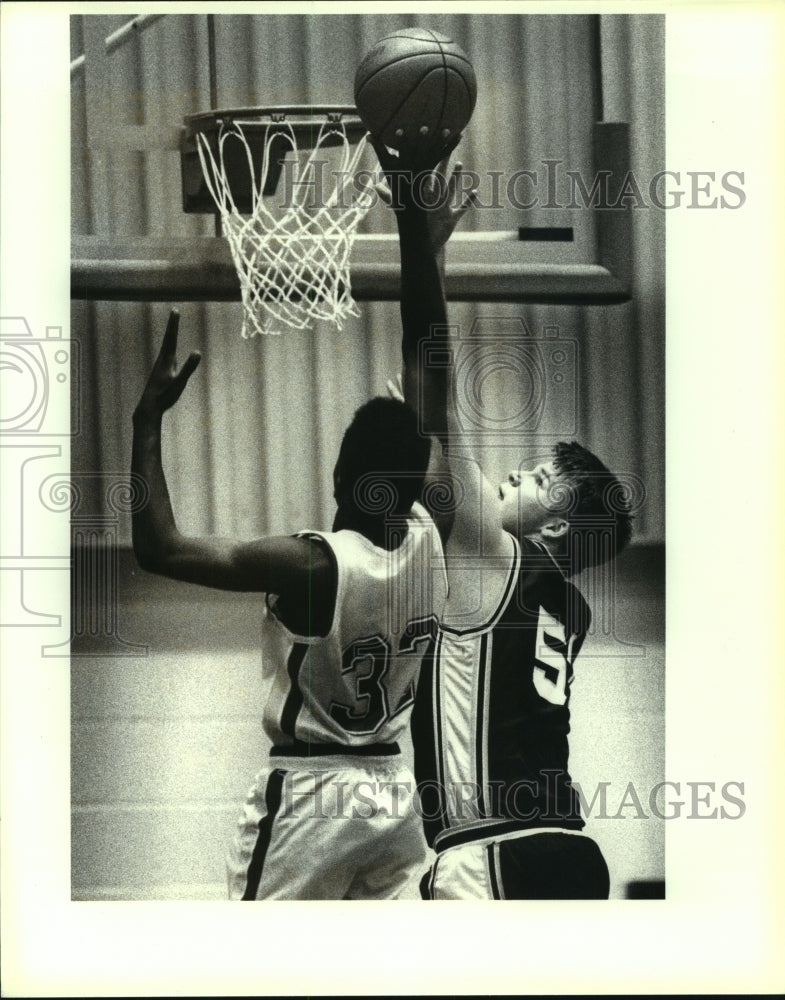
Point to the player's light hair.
(598, 511)
(383, 457)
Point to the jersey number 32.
(368, 661)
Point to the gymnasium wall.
(259, 414)
(165, 743)
(166, 710)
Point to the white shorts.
(329, 828)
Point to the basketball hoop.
(292, 257)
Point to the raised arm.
(423, 232)
(296, 568)
(423, 316)
(474, 526)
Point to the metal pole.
(119, 37)
(212, 64)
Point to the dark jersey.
(491, 722)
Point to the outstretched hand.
(166, 383)
(444, 201)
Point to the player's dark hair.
(597, 502)
(383, 458)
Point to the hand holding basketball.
(415, 92)
(166, 383)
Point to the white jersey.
(355, 686)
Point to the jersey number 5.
(553, 660)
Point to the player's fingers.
(395, 388)
(469, 202)
(190, 366)
(169, 344)
(443, 165)
(449, 148)
(440, 171)
(459, 190)
(180, 380)
(455, 179)
(428, 154)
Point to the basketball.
(415, 88)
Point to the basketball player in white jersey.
(492, 715)
(347, 616)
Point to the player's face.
(524, 498)
(337, 520)
(342, 501)
(336, 482)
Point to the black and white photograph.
(377, 387)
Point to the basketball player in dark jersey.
(491, 720)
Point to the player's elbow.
(153, 555)
(146, 557)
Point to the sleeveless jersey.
(492, 716)
(356, 685)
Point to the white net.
(292, 260)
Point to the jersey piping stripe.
(502, 605)
(498, 830)
(480, 748)
(294, 700)
(491, 855)
(484, 735)
(303, 749)
(406, 702)
(437, 715)
(426, 882)
(272, 802)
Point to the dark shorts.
(543, 865)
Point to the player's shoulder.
(419, 516)
(317, 545)
(543, 581)
(306, 605)
(319, 557)
(422, 524)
